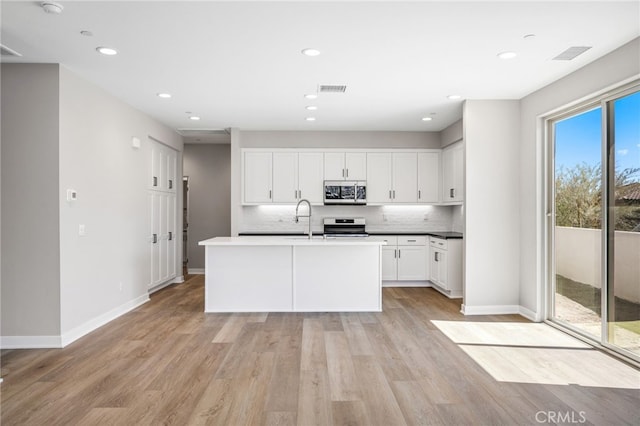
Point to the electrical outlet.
(82, 230)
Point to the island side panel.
(337, 278)
(248, 279)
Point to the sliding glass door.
(594, 232)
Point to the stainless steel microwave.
(345, 192)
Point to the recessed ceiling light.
(427, 118)
(507, 55)
(310, 96)
(52, 7)
(311, 52)
(194, 118)
(454, 97)
(164, 95)
(312, 107)
(107, 51)
(310, 119)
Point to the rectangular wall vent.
(203, 132)
(571, 53)
(332, 88)
(6, 51)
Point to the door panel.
(311, 177)
(285, 177)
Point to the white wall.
(400, 218)
(579, 253)
(209, 170)
(620, 65)
(452, 134)
(97, 159)
(492, 244)
(30, 216)
(57, 285)
(255, 139)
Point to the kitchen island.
(292, 274)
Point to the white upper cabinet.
(379, 178)
(452, 173)
(257, 177)
(311, 177)
(428, 177)
(405, 177)
(392, 177)
(285, 177)
(345, 166)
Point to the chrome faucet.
(308, 215)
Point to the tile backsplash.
(390, 218)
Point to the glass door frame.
(605, 102)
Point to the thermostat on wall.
(72, 195)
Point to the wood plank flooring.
(418, 362)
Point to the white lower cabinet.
(404, 258)
(445, 265)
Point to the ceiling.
(239, 64)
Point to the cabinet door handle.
(269, 194)
(436, 256)
(399, 251)
(347, 172)
(342, 172)
(170, 184)
(452, 192)
(299, 193)
(155, 181)
(394, 194)
(390, 194)
(155, 238)
(395, 254)
(170, 235)
(411, 241)
(419, 195)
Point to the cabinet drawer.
(440, 243)
(412, 241)
(391, 240)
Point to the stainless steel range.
(344, 227)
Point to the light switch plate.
(135, 142)
(82, 230)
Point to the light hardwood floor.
(418, 362)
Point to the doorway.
(593, 236)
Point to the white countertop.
(289, 241)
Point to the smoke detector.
(52, 7)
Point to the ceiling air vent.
(571, 53)
(332, 88)
(203, 132)
(6, 51)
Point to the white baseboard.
(529, 314)
(196, 271)
(30, 342)
(490, 310)
(97, 322)
(406, 284)
(178, 280)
